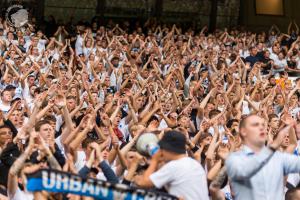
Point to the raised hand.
(280, 137)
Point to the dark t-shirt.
(292, 65)
(252, 60)
(267, 68)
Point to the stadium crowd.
(77, 97)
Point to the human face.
(130, 156)
(95, 97)
(117, 119)
(254, 51)
(73, 91)
(279, 99)
(274, 123)
(71, 104)
(294, 99)
(107, 81)
(209, 107)
(35, 51)
(220, 99)
(5, 136)
(280, 56)
(31, 81)
(267, 54)
(235, 126)
(168, 106)
(105, 153)
(139, 102)
(184, 122)
(14, 117)
(273, 81)
(46, 132)
(174, 116)
(105, 130)
(254, 132)
(32, 90)
(270, 110)
(8, 78)
(286, 141)
(6, 96)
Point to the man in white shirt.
(78, 44)
(6, 98)
(181, 175)
(257, 171)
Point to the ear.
(242, 133)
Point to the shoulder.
(233, 156)
(180, 163)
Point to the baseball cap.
(173, 141)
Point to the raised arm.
(241, 167)
(16, 168)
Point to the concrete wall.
(256, 22)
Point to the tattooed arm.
(215, 186)
(50, 158)
(15, 169)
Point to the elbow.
(145, 182)
(213, 189)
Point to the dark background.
(195, 13)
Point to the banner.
(63, 182)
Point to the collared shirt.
(260, 176)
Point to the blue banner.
(62, 182)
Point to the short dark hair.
(37, 90)
(153, 118)
(5, 90)
(86, 142)
(70, 97)
(230, 122)
(39, 124)
(244, 120)
(50, 118)
(5, 126)
(213, 113)
(271, 116)
(291, 193)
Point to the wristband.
(195, 149)
(272, 148)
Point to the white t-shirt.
(4, 108)
(162, 125)
(60, 145)
(294, 112)
(183, 178)
(81, 160)
(245, 108)
(212, 131)
(281, 64)
(123, 127)
(21, 195)
(78, 45)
